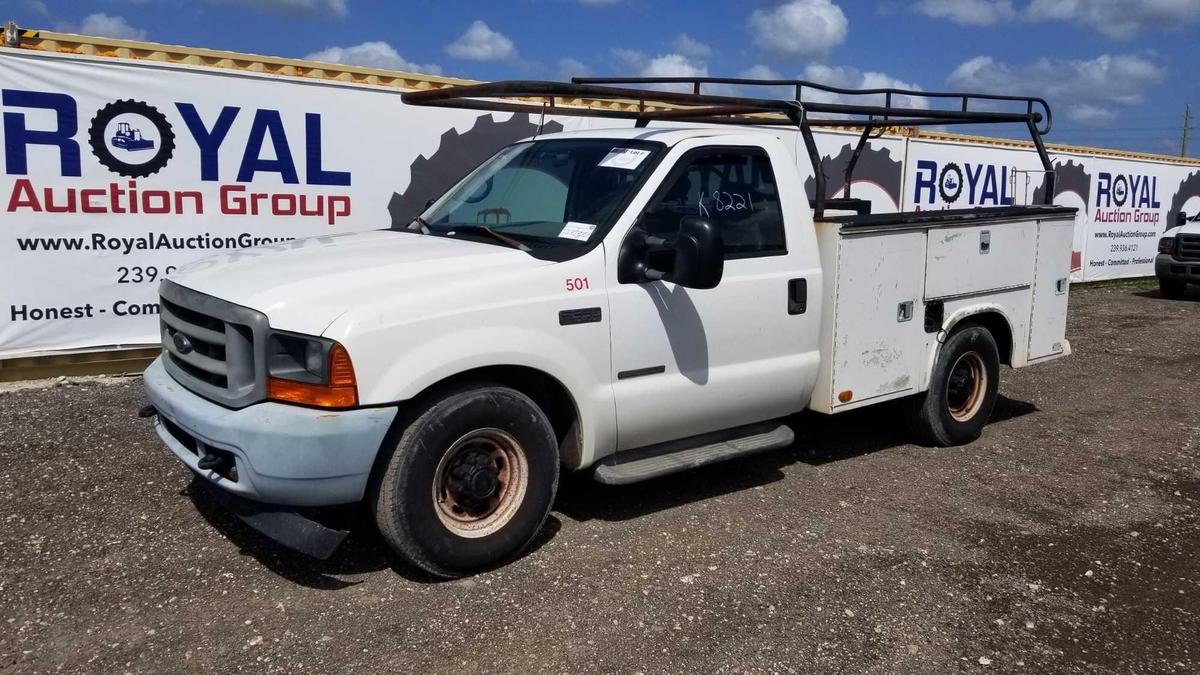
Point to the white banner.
(956, 175)
(117, 171)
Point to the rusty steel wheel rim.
(480, 483)
(967, 386)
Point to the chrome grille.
(1189, 247)
(210, 345)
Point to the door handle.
(797, 296)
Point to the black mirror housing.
(1180, 219)
(696, 256)
(699, 254)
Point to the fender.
(426, 363)
(956, 317)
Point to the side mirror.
(1180, 219)
(695, 258)
(699, 254)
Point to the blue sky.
(1118, 72)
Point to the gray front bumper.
(285, 454)
(1167, 267)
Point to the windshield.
(544, 193)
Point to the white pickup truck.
(631, 301)
(1178, 260)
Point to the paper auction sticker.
(577, 231)
(624, 158)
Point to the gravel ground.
(1063, 541)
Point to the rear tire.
(962, 390)
(1172, 289)
(470, 482)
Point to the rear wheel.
(470, 482)
(1172, 289)
(962, 389)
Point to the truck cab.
(631, 302)
(1178, 260)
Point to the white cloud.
(292, 7)
(686, 45)
(763, 72)
(1119, 19)
(674, 65)
(1089, 90)
(481, 43)
(799, 28)
(104, 25)
(760, 72)
(629, 59)
(373, 54)
(853, 78)
(969, 12)
(639, 64)
(568, 68)
(1090, 115)
(36, 7)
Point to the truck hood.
(1186, 228)
(304, 284)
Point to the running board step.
(633, 466)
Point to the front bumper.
(1167, 267)
(283, 454)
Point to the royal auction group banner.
(117, 171)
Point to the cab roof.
(666, 135)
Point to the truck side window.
(735, 189)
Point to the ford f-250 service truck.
(1178, 260)
(632, 301)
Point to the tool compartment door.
(878, 332)
(1048, 316)
(976, 258)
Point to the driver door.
(689, 361)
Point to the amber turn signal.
(341, 390)
(845, 396)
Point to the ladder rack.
(727, 108)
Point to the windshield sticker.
(624, 158)
(577, 231)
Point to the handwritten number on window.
(722, 201)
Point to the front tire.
(1172, 289)
(962, 390)
(469, 483)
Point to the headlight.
(310, 371)
(1166, 245)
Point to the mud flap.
(282, 524)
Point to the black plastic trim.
(641, 372)
(908, 219)
(935, 316)
(571, 317)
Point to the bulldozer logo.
(131, 138)
(456, 155)
(1189, 188)
(875, 166)
(950, 183)
(1072, 187)
(1069, 177)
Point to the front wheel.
(962, 389)
(470, 482)
(1172, 289)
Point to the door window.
(735, 189)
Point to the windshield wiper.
(502, 238)
(421, 225)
